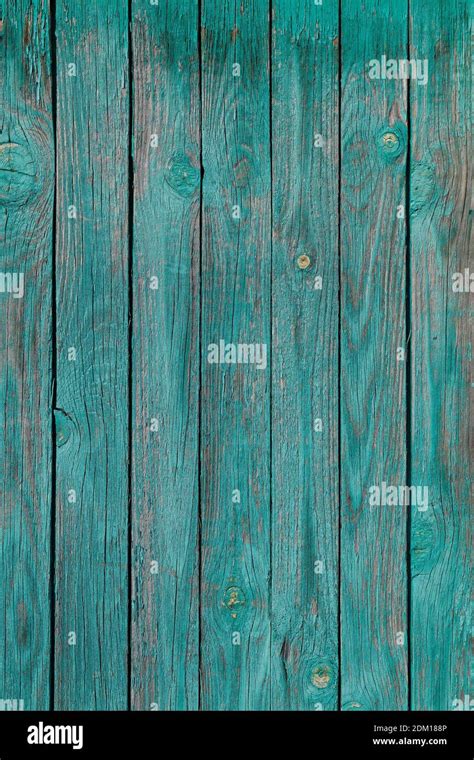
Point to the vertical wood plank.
(442, 332)
(305, 484)
(26, 210)
(235, 474)
(165, 357)
(373, 377)
(92, 356)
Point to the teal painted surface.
(165, 357)
(92, 318)
(305, 487)
(235, 398)
(373, 381)
(243, 551)
(26, 215)
(442, 380)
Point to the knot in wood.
(321, 676)
(234, 599)
(303, 261)
(181, 176)
(391, 141)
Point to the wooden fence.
(235, 333)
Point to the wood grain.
(92, 318)
(165, 357)
(305, 488)
(442, 332)
(235, 305)
(238, 319)
(373, 398)
(26, 211)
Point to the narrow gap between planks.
(339, 145)
(131, 209)
(199, 349)
(52, 559)
(270, 116)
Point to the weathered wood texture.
(165, 356)
(305, 488)
(235, 410)
(92, 356)
(26, 211)
(194, 426)
(441, 342)
(373, 374)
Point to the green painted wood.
(441, 319)
(373, 405)
(240, 555)
(26, 212)
(92, 318)
(165, 357)
(235, 397)
(305, 487)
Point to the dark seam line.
(408, 388)
(200, 360)
(54, 364)
(130, 347)
(270, 454)
(339, 418)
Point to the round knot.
(321, 676)
(181, 176)
(303, 261)
(234, 600)
(391, 141)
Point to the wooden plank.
(305, 484)
(373, 377)
(92, 356)
(26, 209)
(235, 425)
(165, 358)
(442, 332)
